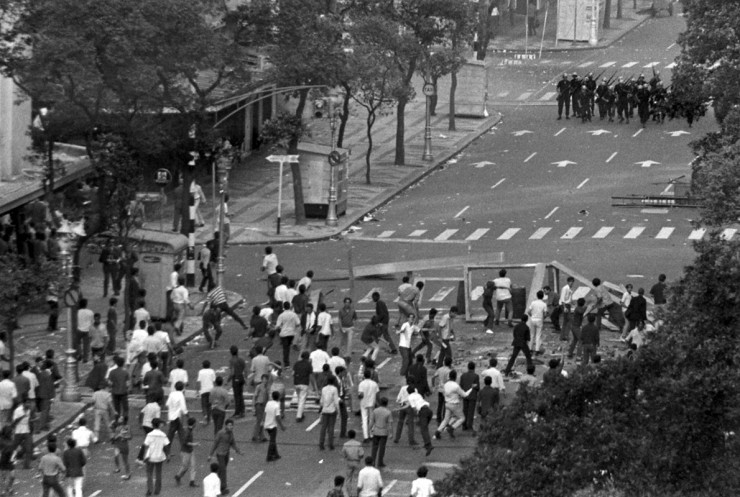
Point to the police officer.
(575, 95)
(622, 91)
(655, 80)
(658, 100)
(602, 98)
(643, 103)
(611, 98)
(591, 86)
(632, 101)
(563, 88)
(587, 99)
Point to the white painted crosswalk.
(572, 233)
(445, 235)
(539, 234)
(634, 232)
(509, 233)
(478, 234)
(665, 233)
(604, 232)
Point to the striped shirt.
(216, 296)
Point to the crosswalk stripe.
(506, 235)
(547, 96)
(634, 232)
(607, 64)
(524, 95)
(502, 94)
(417, 232)
(728, 233)
(652, 64)
(697, 234)
(671, 65)
(572, 232)
(585, 64)
(441, 294)
(664, 233)
(629, 64)
(539, 234)
(369, 297)
(386, 234)
(603, 232)
(445, 235)
(478, 234)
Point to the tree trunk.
(619, 9)
(295, 167)
(400, 158)
(434, 98)
(453, 87)
(370, 121)
(345, 116)
(484, 16)
(607, 13)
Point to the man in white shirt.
(273, 419)
(404, 341)
(306, 280)
(424, 415)
(84, 436)
(537, 313)
(497, 379)
(369, 481)
(155, 445)
(269, 261)
(336, 361)
(318, 358)
(367, 390)
(422, 486)
(281, 291)
(329, 405)
(288, 323)
(206, 380)
(8, 394)
(177, 410)
(85, 319)
(625, 303)
(178, 374)
(446, 334)
(503, 298)
(180, 299)
(323, 322)
(212, 483)
(566, 303)
(453, 406)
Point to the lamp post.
(224, 166)
(593, 39)
(428, 91)
(67, 240)
(331, 213)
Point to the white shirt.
(405, 333)
(156, 441)
(317, 359)
(174, 277)
(211, 485)
(270, 262)
(140, 315)
(290, 293)
(497, 379)
(422, 487)
(335, 361)
(370, 481)
(566, 295)
(206, 379)
(180, 295)
(402, 399)
(281, 293)
(445, 326)
(139, 335)
(149, 412)
(537, 310)
(416, 401)
(369, 389)
(84, 437)
(85, 320)
(272, 412)
(453, 392)
(34, 383)
(288, 322)
(305, 281)
(8, 392)
(176, 405)
(637, 337)
(626, 298)
(324, 322)
(176, 375)
(503, 288)
(266, 313)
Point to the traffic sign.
(428, 89)
(162, 177)
(335, 158)
(282, 158)
(71, 297)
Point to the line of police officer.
(648, 97)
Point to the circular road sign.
(162, 177)
(71, 297)
(428, 89)
(335, 158)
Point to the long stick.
(544, 28)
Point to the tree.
(607, 14)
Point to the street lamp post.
(593, 39)
(331, 213)
(428, 91)
(67, 241)
(224, 166)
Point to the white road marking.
(635, 276)
(611, 157)
(629, 64)
(607, 64)
(441, 294)
(697, 234)
(572, 232)
(671, 65)
(95, 493)
(389, 487)
(502, 94)
(313, 425)
(653, 211)
(665, 233)
(580, 185)
(634, 232)
(552, 212)
(670, 46)
(446, 234)
(462, 211)
(728, 233)
(539, 234)
(382, 364)
(530, 156)
(603, 232)
(547, 96)
(647, 163)
(652, 64)
(478, 234)
(585, 64)
(417, 232)
(561, 130)
(637, 133)
(506, 235)
(386, 234)
(246, 485)
(563, 163)
(369, 297)
(668, 190)
(498, 183)
(524, 95)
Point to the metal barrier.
(655, 201)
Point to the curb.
(385, 197)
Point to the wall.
(15, 119)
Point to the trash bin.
(519, 301)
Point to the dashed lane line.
(611, 157)
(530, 156)
(445, 235)
(417, 232)
(580, 185)
(540, 233)
(247, 485)
(498, 183)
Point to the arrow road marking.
(482, 163)
(598, 132)
(531, 155)
(521, 132)
(677, 133)
(563, 163)
(441, 294)
(647, 163)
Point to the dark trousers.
(82, 345)
(524, 348)
(207, 278)
(228, 310)
(205, 405)
(219, 417)
(622, 111)
(405, 416)
(238, 387)
(445, 351)
(120, 404)
(44, 413)
(153, 477)
(575, 341)
(565, 101)
(576, 104)
(25, 442)
(440, 407)
(328, 420)
(425, 342)
(342, 418)
(223, 461)
(216, 327)
(175, 427)
(53, 316)
(378, 451)
(111, 347)
(388, 338)
(272, 452)
(405, 353)
(110, 275)
(425, 417)
(147, 430)
(51, 483)
(469, 411)
(555, 317)
(589, 351)
(286, 342)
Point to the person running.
(369, 481)
(206, 380)
(216, 298)
(422, 486)
(454, 415)
(187, 454)
(120, 439)
(222, 446)
(520, 343)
